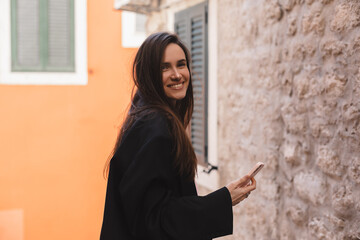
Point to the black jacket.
(147, 199)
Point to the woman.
(151, 192)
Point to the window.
(40, 45)
(191, 26)
(42, 35)
(133, 29)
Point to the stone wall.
(289, 95)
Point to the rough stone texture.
(316, 193)
(292, 71)
(343, 201)
(288, 95)
(354, 170)
(319, 230)
(298, 214)
(329, 162)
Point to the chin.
(178, 97)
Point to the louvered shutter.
(191, 26)
(42, 35)
(60, 37)
(25, 34)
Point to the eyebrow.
(181, 60)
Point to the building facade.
(283, 87)
(58, 126)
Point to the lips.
(176, 86)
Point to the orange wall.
(54, 140)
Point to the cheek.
(186, 74)
(164, 78)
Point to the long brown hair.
(147, 77)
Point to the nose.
(175, 75)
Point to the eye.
(164, 67)
(181, 64)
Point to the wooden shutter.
(42, 35)
(25, 34)
(60, 36)
(191, 26)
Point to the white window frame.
(211, 180)
(79, 77)
(129, 36)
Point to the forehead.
(173, 52)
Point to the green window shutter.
(42, 35)
(191, 26)
(60, 34)
(25, 34)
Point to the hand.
(240, 189)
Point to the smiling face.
(175, 74)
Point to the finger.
(253, 182)
(241, 193)
(242, 181)
(231, 185)
(251, 187)
(240, 199)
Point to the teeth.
(176, 86)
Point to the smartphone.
(256, 169)
(258, 166)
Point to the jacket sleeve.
(152, 210)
